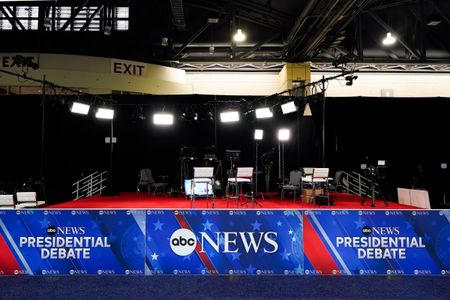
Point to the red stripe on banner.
(8, 263)
(203, 257)
(315, 249)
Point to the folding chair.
(203, 175)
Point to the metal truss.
(231, 66)
(384, 67)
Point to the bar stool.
(243, 176)
(202, 175)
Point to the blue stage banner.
(231, 242)
(72, 242)
(370, 242)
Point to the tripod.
(255, 195)
(373, 189)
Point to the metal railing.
(90, 185)
(357, 184)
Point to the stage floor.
(271, 201)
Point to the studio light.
(163, 119)
(307, 112)
(284, 134)
(229, 116)
(107, 30)
(263, 113)
(80, 108)
(389, 39)
(259, 134)
(350, 79)
(239, 36)
(105, 113)
(288, 107)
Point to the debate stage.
(133, 200)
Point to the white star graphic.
(291, 232)
(154, 256)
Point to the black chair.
(146, 179)
(333, 186)
(295, 178)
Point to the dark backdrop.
(410, 134)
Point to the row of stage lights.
(167, 119)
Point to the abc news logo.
(183, 242)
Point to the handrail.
(89, 185)
(356, 184)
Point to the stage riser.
(225, 242)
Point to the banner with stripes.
(376, 242)
(231, 242)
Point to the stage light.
(350, 79)
(259, 134)
(307, 112)
(80, 108)
(163, 119)
(196, 116)
(229, 116)
(107, 30)
(284, 134)
(105, 113)
(239, 36)
(263, 113)
(389, 39)
(288, 107)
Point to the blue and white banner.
(75, 242)
(232, 242)
(370, 242)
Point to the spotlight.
(350, 79)
(284, 134)
(259, 134)
(307, 112)
(239, 36)
(80, 108)
(107, 30)
(263, 113)
(211, 50)
(163, 119)
(288, 107)
(196, 116)
(164, 42)
(105, 113)
(229, 116)
(389, 39)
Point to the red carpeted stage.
(271, 201)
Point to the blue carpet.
(197, 287)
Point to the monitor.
(200, 188)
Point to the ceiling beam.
(439, 10)
(91, 17)
(12, 18)
(247, 53)
(74, 15)
(197, 34)
(390, 29)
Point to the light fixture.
(229, 116)
(307, 112)
(211, 50)
(350, 79)
(288, 107)
(196, 116)
(263, 113)
(107, 30)
(239, 36)
(105, 113)
(284, 134)
(434, 20)
(389, 39)
(164, 42)
(163, 119)
(80, 108)
(259, 134)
